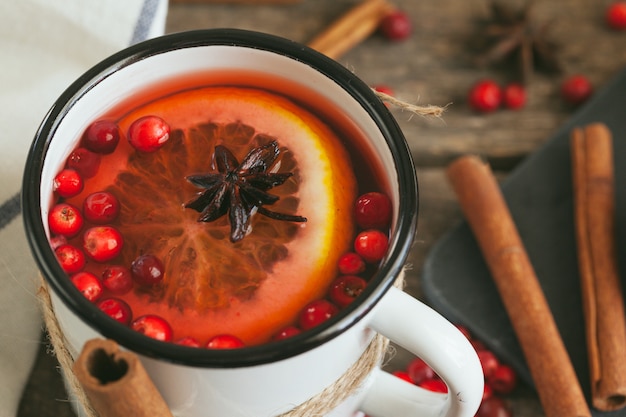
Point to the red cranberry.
(503, 379)
(345, 289)
(373, 211)
(616, 15)
(56, 241)
(485, 96)
(65, 219)
(147, 270)
(487, 391)
(153, 326)
(576, 89)
(101, 207)
(316, 313)
(102, 243)
(102, 136)
(351, 264)
(117, 279)
(188, 341)
(371, 245)
(84, 161)
(419, 371)
(396, 26)
(117, 309)
(224, 341)
(287, 332)
(434, 385)
(488, 361)
(465, 331)
(70, 257)
(514, 96)
(493, 407)
(68, 183)
(403, 375)
(148, 133)
(88, 285)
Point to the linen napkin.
(44, 46)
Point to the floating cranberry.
(371, 245)
(616, 15)
(351, 264)
(88, 285)
(576, 89)
(316, 313)
(493, 407)
(65, 219)
(84, 161)
(117, 279)
(153, 326)
(503, 379)
(286, 333)
(224, 341)
(488, 361)
(117, 309)
(102, 243)
(514, 96)
(487, 391)
(465, 331)
(419, 371)
(147, 270)
(402, 375)
(70, 257)
(68, 183)
(434, 385)
(485, 96)
(373, 211)
(56, 241)
(101, 207)
(102, 136)
(396, 26)
(148, 133)
(188, 341)
(345, 289)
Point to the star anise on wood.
(240, 189)
(513, 34)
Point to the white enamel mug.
(271, 379)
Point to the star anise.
(512, 34)
(240, 189)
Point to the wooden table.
(435, 67)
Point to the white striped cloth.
(44, 46)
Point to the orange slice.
(254, 287)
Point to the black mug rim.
(400, 243)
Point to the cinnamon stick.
(116, 382)
(492, 224)
(351, 28)
(603, 305)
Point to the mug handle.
(425, 333)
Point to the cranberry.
(465, 331)
(147, 270)
(503, 379)
(345, 289)
(419, 371)
(148, 133)
(117, 309)
(101, 207)
(224, 341)
(403, 375)
(371, 245)
(102, 136)
(56, 241)
(117, 279)
(373, 211)
(493, 407)
(434, 385)
(70, 257)
(316, 313)
(514, 96)
(65, 219)
(68, 183)
(102, 243)
(88, 285)
(287, 332)
(84, 161)
(616, 15)
(485, 96)
(351, 264)
(576, 89)
(487, 391)
(396, 26)
(188, 341)
(488, 361)
(153, 326)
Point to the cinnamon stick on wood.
(490, 220)
(116, 382)
(603, 305)
(351, 28)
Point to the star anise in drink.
(240, 189)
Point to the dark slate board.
(457, 283)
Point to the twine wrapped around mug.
(318, 405)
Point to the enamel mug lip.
(400, 243)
